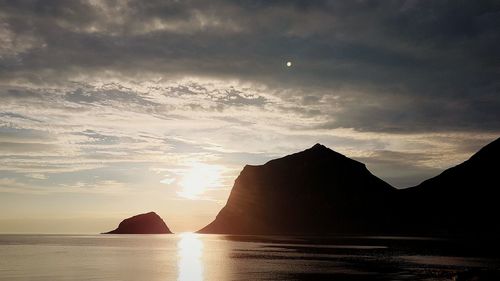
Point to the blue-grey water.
(218, 257)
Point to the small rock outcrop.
(149, 223)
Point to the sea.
(194, 257)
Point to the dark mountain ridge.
(461, 200)
(319, 191)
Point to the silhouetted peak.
(304, 192)
(317, 154)
(319, 146)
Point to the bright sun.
(198, 179)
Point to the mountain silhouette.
(461, 200)
(319, 191)
(315, 191)
(149, 223)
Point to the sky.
(114, 108)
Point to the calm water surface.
(196, 257)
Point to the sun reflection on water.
(190, 251)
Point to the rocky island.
(149, 223)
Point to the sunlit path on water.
(190, 252)
(205, 257)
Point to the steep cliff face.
(315, 191)
(149, 223)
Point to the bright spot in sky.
(198, 179)
(288, 63)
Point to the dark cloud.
(96, 138)
(12, 134)
(12, 147)
(17, 116)
(395, 66)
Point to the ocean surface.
(196, 257)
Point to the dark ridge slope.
(461, 200)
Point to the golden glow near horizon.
(198, 179)
(190, 251)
